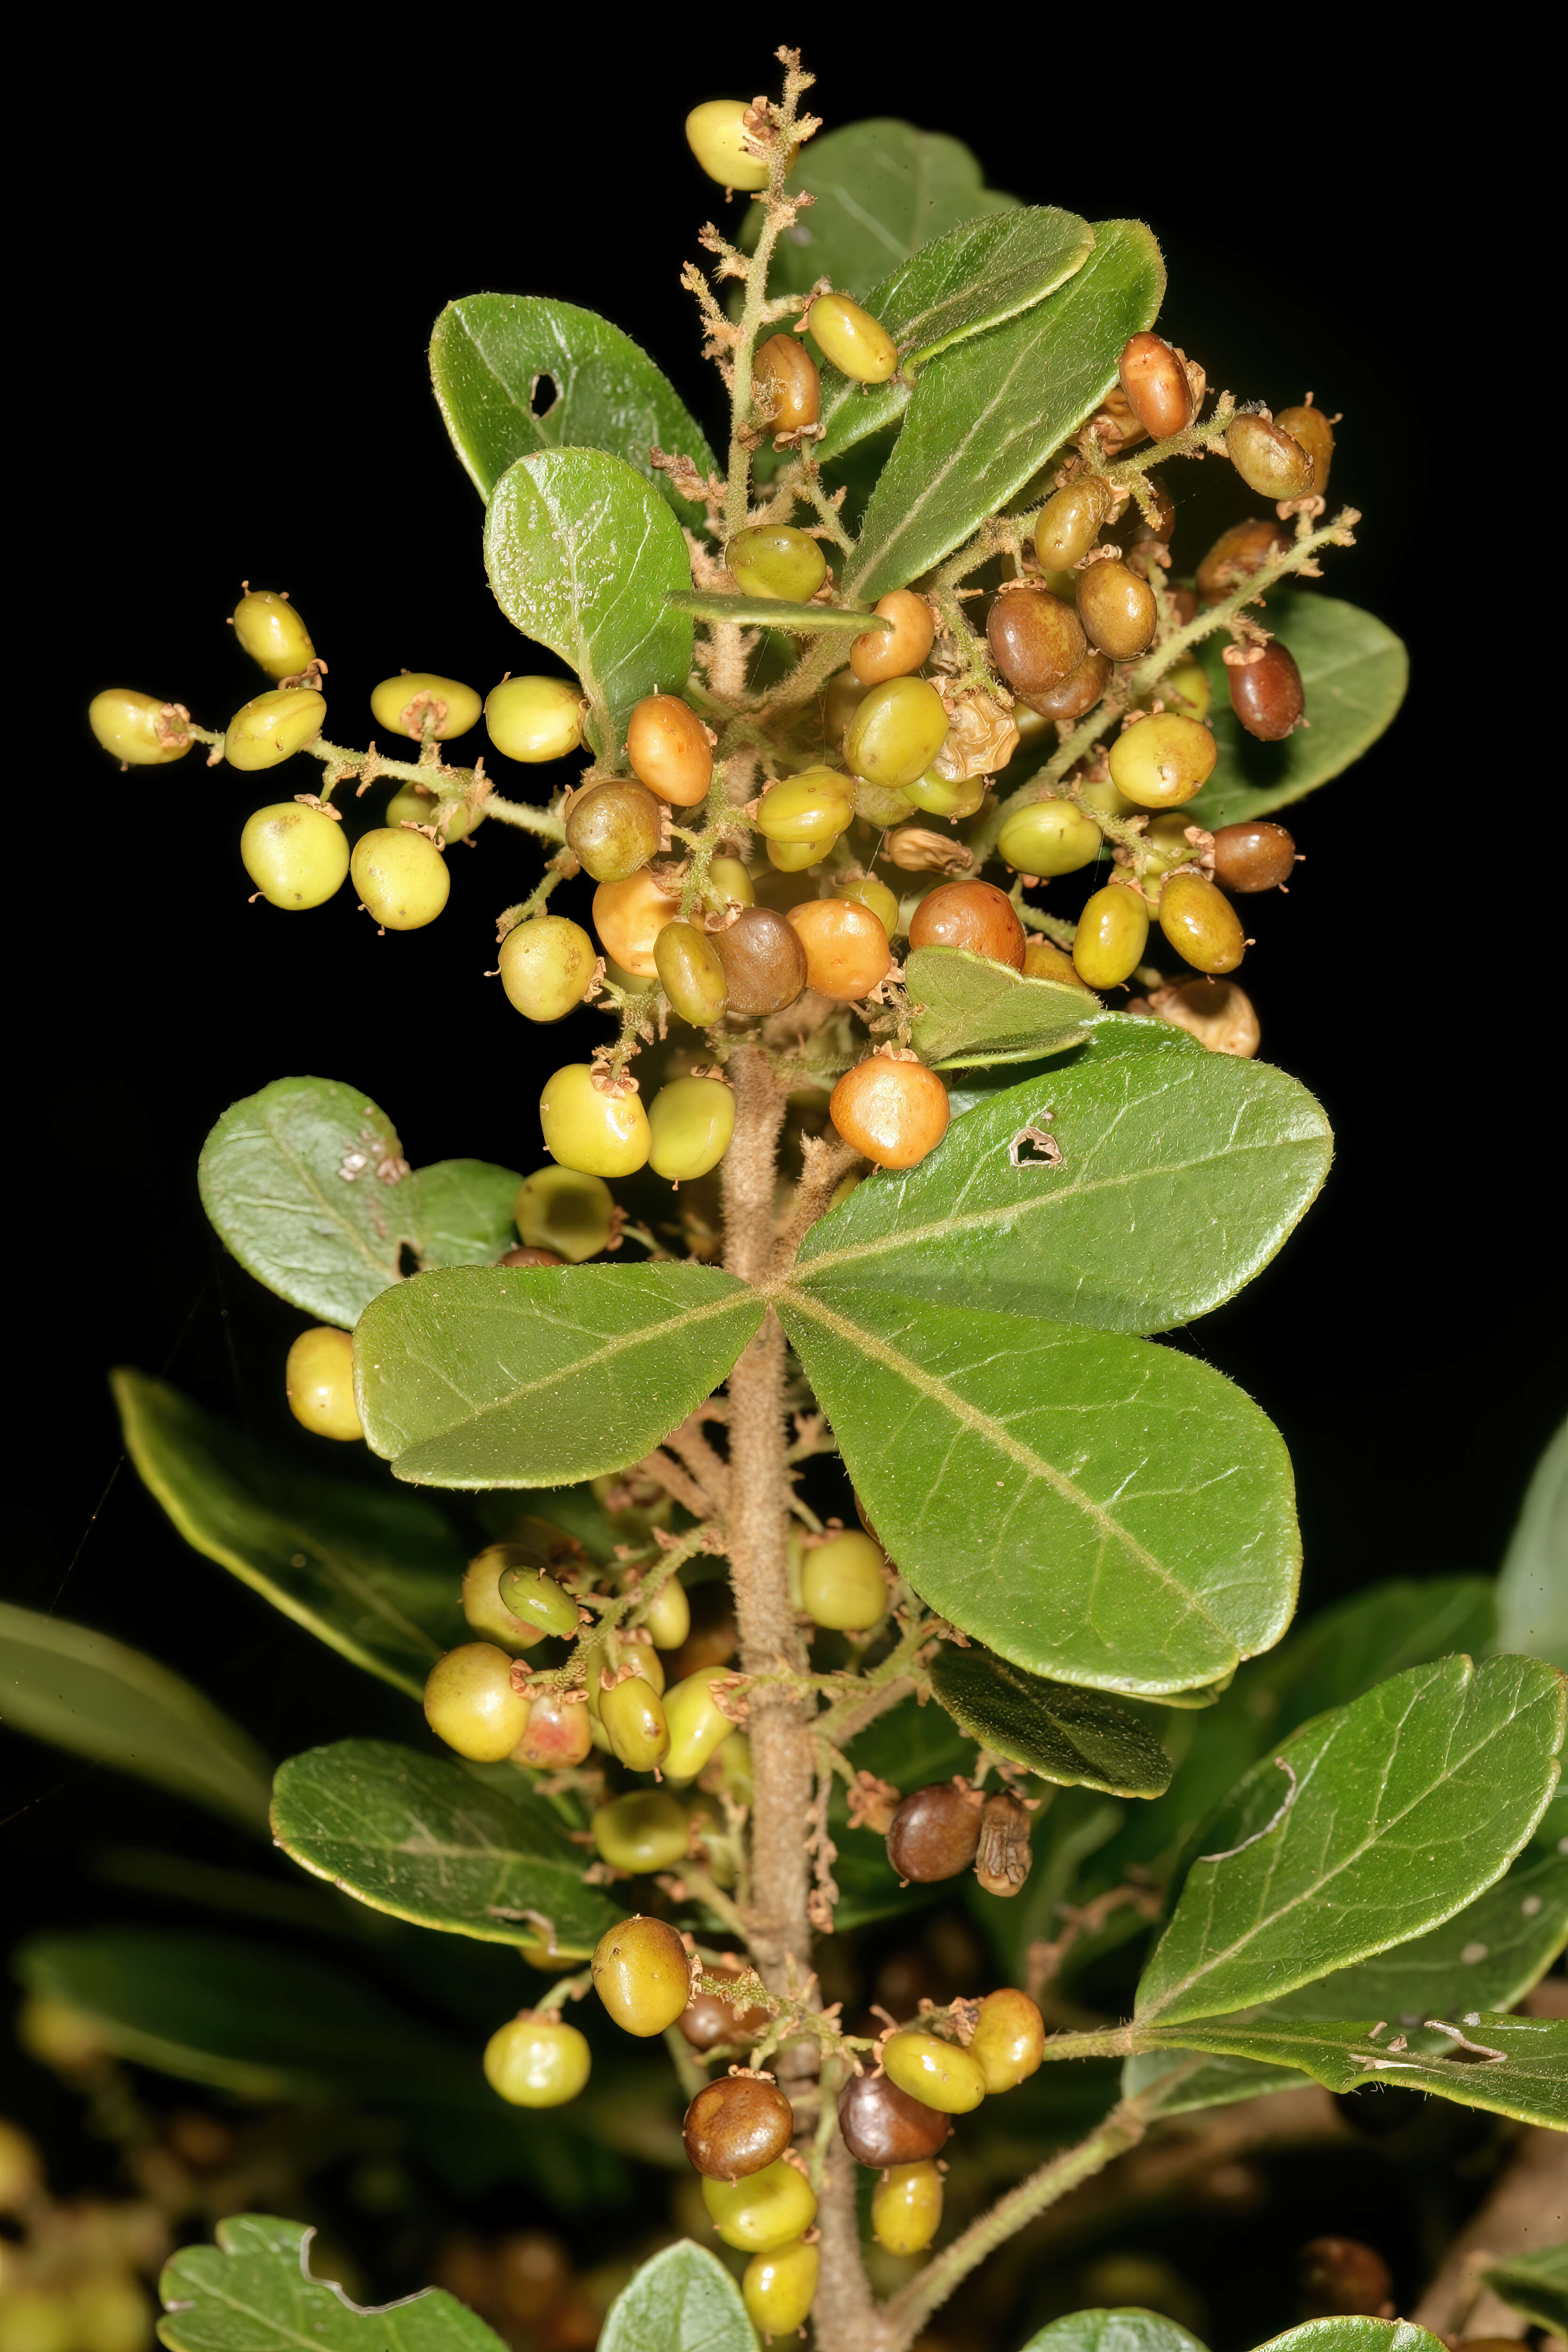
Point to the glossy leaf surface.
(254, 2291)
(1525, 2073)
(99, 1697)
(582, 554)
(1354, 2335)
(1355, 671)
(1536, 2284)
(539, 1377)
(987, 413)
(489, 355)
(776, 613)
(420, 1837)
(684, 2300)
(975, 1013)
(973, 277)
(1532, 1589)
(375, 1576)
(1113, 2331)
(1381, 1820)
(1181, 1173)
(1137, 1531)
(1075, 1737)
(882, 189)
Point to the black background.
(233, 335)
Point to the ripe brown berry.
(1036, 639)
(1069, 521)
(1271, 462)
(737, 2126)
(707, 2020)
(1311, 428)
(1342, 2279)
(882, 2124)
(1255, 857)
(1155, 384)
(893, 1112)
(1077, 693)
(846, 950)
(1267, 695)
(1116, 609)
(763, 961)
(523, 1255)
(613, 828)
(933, 1834)
(895, 652)
(973, 915)
(785, 384)
(1236, 554)
(1002, 1862)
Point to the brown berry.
(525, 1255)
(667, 747)
(892, 1111)
(1074, 693)
(763, 961)
(707, 2020)
(1342, 2279)
(1218, 1012)
(1256, 857)
(882, 2124)
(1035, 638)
(1311, 428)
(1116, 609)
(1069, 522)
(895, 652)
(1002, 1862)
(973, 915)
(1236, 554)
(1266, 695)
(1271, 462)
(935, 1832)
(737, 2126)
(785, 384)
(613, 828)
(846, 950)
(1156, 386)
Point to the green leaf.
(421, 1838)
(254, 2293)
(487, 355)
(1355, 671)
(973, 277)
(1535, 2284)
(1355, 2335)
(684, 2300)
(582, 554)
(974, 1011)
(375, 1576)
(1377, 1822)
(1137, 1531)
(491, 1377)
(777, 613)
(987, 413)
(1525, 2073)
(910, 1747)
(1181, 1173)
(462, 1212)
(1112, 2331)
(1075, 1737)
(880, 190)
(97, 1697)
(1532, 1587)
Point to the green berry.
(867, 891)
(535, 718)
(642, 1831)
(811, 808)
(406, 704)
(843, 1585)
(483, 1607)
(763, 2212)
(643, 1660)
(896, 732)
(906, 2207)
(715, 132)
(319, 1378)
(614, 828)
(138, 727)
(877, 804)
(401, 877)
(272, 633)
(1048, 837)
(412, 804)
(1112, 932)
(536, 2062)
(850, 340)
(953, 797)
(697, 1728)
(731, 881)
(778, 2288)
(296, 857)
(273, 727)
(590, 1129)
(1160, 762)
(562, 1209)
(545, 965)
(633, 1719)
(690, 973)
(939, 2073)
(470, 1703)
(668, 1619)
(533, 1597)
(1069, 522)
(691, 1121)
(775, 560)
(642, 1975)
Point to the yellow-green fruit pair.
(420, 702)
(319, 1378)
(809, 810)
(271, 633)
(763, 2211)
(546, 965)
(842, 1583)
(1048, 837)
(535, 719)
(296, 857)
(778, 2288)
(401, 877)
(470, 1703)
(591, 1129)
(536, 2062)
(412, 804)
(273, 727)
(896, 731)
(563, 1209)
(137, 727)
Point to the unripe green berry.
(896, 732)
(811, 808)
(794, 857)
(319, 1378)
(638, 1658)
(412, 804)
(715, 132)
(732, 882)
(545, 965)
(850, 340)
(535, 718)
(953, 797)
(483, 1607)
(470, 1703)
(401, 877)
(595, 1132)
(867, 891)
(533, 1597)
(763, 2211)
(939, 2073)
(691, 974)
(691, 1121)
(877, 804)
(644, 1831)
(272, 633)
(906, 2207)
(419, 702)
(272, 726)
(565, 1209)
(729, 1770)
(1069, 522)
(669, 1618)
(296, 857)
(614, 828)
(642, 1975)
(697, 1728)
(1112, 933)
(1048, 837)
(778, 2288)
(1160, 762)
(842, 1583)
(1185, 690)
(633, 1717)
(775, 560)
(138, 727)
(1312, 429)
(536, 2062)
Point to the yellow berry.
(691, 1121)
(138, 727)
(906, 2207)
(535, 719)
(272, 726)
(403, 705)
(697, 1729)
(296, 857)
(633, 1716)
(762, 2210)
(939, 2073)
(642, 1975)
(778, 2288)
(585, 1128)
(1009, 2039)
(1048, 837)
(545, 965)
(272, 633)
(470, 1703)
(1160, 762)
(715, 132)
(319, 1376)
(896, 732)
(842, 1583)
(564, 1210)
(850, 340)
(401, 877)
(644, 1831)
(412, 804)
(1112, 932)
(536, 2062)
(668, 1619)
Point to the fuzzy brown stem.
(846, 2315)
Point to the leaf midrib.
(286, 1152)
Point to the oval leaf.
(974, 1012)
(462, 1212)
(1532, 1587)
(880, 190)
(987, 413)
(1076, 1737)
(684, 2300)
(496, 1377)
(1355, 2335)
(488, 355)
(582, 554)
(255, 2288)
(1180, 1174)
(416, 1836)
(375, 1576)
(1113, 2331)
(1139, 1532)
(1355, 671)
(1377, 1821)
(1536, 2284)
(96, 1697)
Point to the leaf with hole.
(1076, 1737)
(1097, 1509)
(1533, 1586)
(97, 1697)
(374, 1575)
(974, 1012)
(255, 2291)
(491, 353)
(987, 413)
(683, 2300)
(541, 1377)
(421, 1838)
(582, 554)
